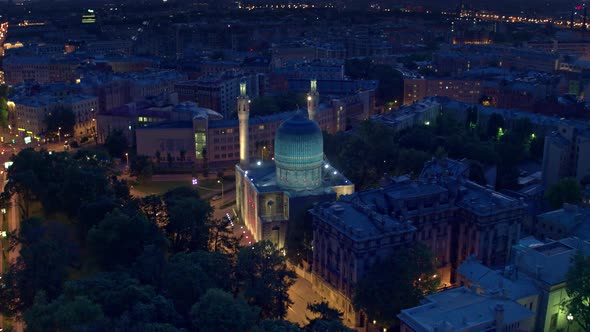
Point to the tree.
(476, 173)
(60, 120)
(4, 105)
(120, 238)
(158, 157)
(222, 238)
(169, 159)
(91, 213)
(495, 123)
(63, 314)
(220, 311)
(567, 190)
(272, 325)
(127, 303)
(116, 143)
(187, 225)
(26, 178)
(329, 319)
(142, 168)
(396, 283)
(45, 255)
(578, 291)
(357, 68)
(265, 279)
(182, 155)
(188, 276)
(472, 117)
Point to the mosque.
(272, 196)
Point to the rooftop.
(263, 177)
(548, 262)
(462, 310)
(506, 283)
(576, 220)
(360, 222)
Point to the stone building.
(453, 216)
(273, 196)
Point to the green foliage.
(396, 283)
(272, 325)
(495, 122)
(4, 105)
(142, 168)
(42, 265)
(188, 276)
(116, 143)
(390, 80)
(222, 238)
(375, 150)
(265, 279)
(472, 117)
(299, 238)
(120, 238)
(578, 291)
(64, 314)
(567, 190)
(220, 311)
(357, 68)
(60, 120)
(129, 304)
(60, 183)
(268, 105)
(188, 216)
(329, 319)
(183, 217)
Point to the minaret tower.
(244, 115)
(313, 98)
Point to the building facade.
(566, 154)
(32, 111)
(454, 217)
(273, 196)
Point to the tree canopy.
(578, 291)
(60, 121)
(567, 190)
(397, 282)
(116, 143)
(265, 279)
(112, 262)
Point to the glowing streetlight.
(127, 157)
(570, 319)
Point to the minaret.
(313, 98)
(244, 115)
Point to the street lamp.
(221, 181)
(59, 134)
(127, 157)
(570, 319)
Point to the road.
(301, 294)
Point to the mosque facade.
(274, 195)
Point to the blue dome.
(299, 152)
